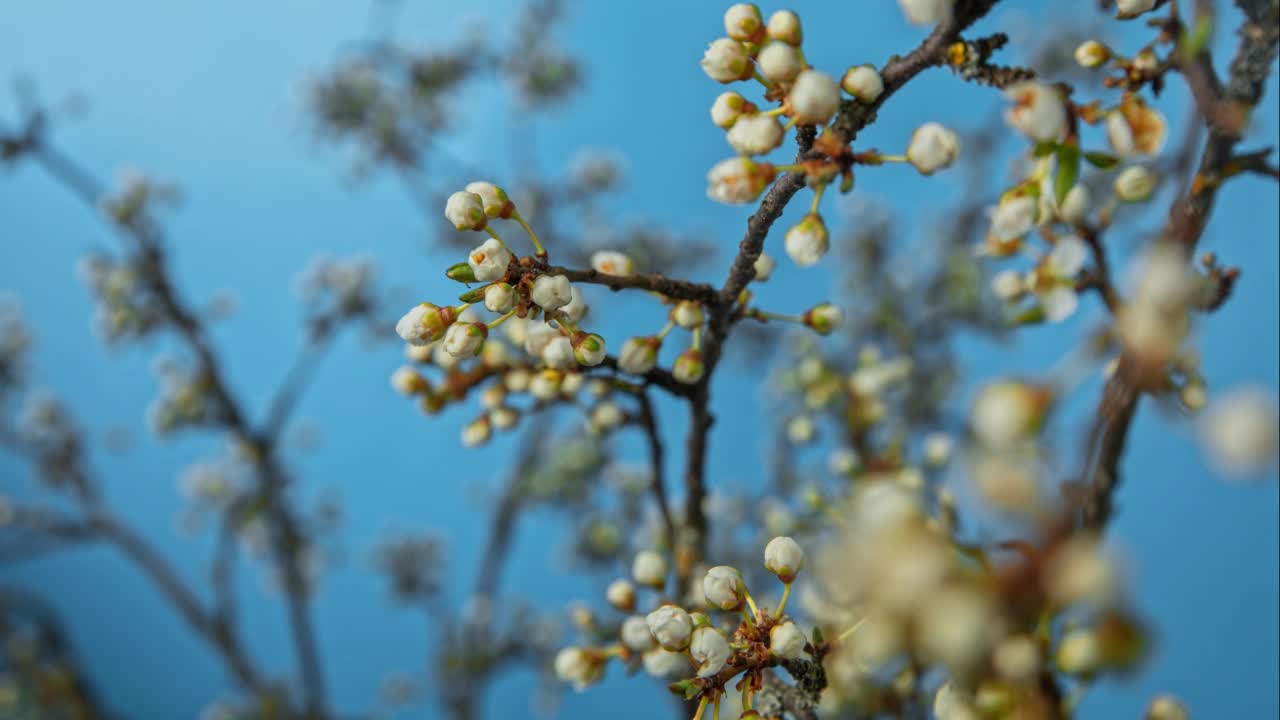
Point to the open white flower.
(932, 148)
(710, 649)
(1038, 111)
(489, 261)
(814, 98)
(726, 61)
(755, 134)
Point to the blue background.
(211, 95)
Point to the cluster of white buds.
(683, 640)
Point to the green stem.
(537, 246)
(501, 320)
(786, 595)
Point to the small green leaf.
(1101, 160)
(462, 272)
(1068, 171)
(680, 687)
(1045, 148)
(817, 635)
(472, 296)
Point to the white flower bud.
(786, 641)
(863, 82)
(780, 62)
(551, 292)
(1135, 184)
(1038, 111)
(784, 26)
(764, 267)
(801, 430)
(504, 418)
(1241, 429)
(755, 134)
(499, 298)
(576, 308)
(937, 449)
(1091, 54)
(424, 323)
(1166, 707)
(710, 649)
(604, 417)
(1017, 658)
(1075, 206)
(578, 667)
(1014, 217)
(824, 318)
(407, 381)
(571, 384)
(689, 367)
(784, 557)
(742, 21)
(726, 61)
(635, 634)
(1079, 652)
(464, 339)
(727, 108)
(1005, 413)
(723, 587)
(951, 704)
(649, 568)
(621, 594)
(489, 261)
(662, 663)
(1136, 129)
(1133, 8)
(611, 262)
(558, 354)
(814, 98)
(495, 200)
(588, 349)
(1008, 285)
(807, 241)
(926, 12)
(687, 314)
(476, 433)
(639, 355)
(546, 385)
(932, 148)
(671, 626)
(466, 211)
(738, 180)
(517, 380)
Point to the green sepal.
(462, 272)
(1068, 171)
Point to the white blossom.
(576, 308)
(710, 649)
(863, 82)
(671, 626)
(755, 134)
(1005, 413)
(463, 339)
(723, 588)
(499, 297)
(742, 21)
(551, 292)
(1166, 707)
(1079, 652)
(786, 641)
(687, 314)
(932, 148)
(1013, 218)
(663, 663)
(621, 594)
(546, 385)
(635, 634)
(649, 568)
(489, 261)
(1008, 285)
(807, 241)
(588, 349)
(578, 667)
(814, 97)
(1135, 184)
(784, 26)
(466, 211)
(738, 180)
(1133, 8)
(780, 62)
(1091, 54)
(784, 557)
(824, 318)
(1241, 430)
(476, 433)
(1133, 128)
(689, 367)
(727, 108)
(612, 262)
(764, 266)
(1038, 111)
(926, 12)
(408, 381)
(423, 324)
(726, 61)
(558, 354)
(495, 200)
(639, 355)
